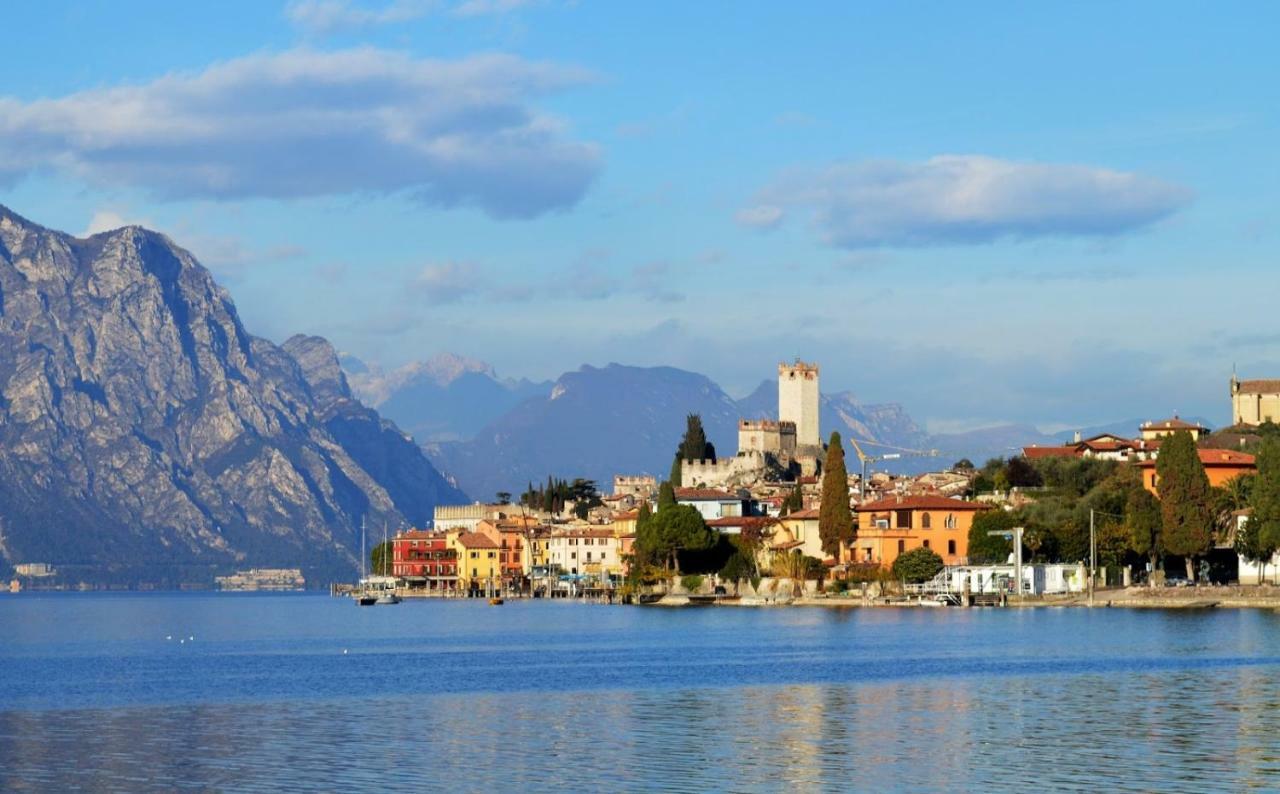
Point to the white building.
(711, 503)
(594, 552)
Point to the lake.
(254, 692)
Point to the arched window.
(951, 521)
(925, 521)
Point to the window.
(951, 547)
(951, 521)
(904, 519)
(926, 522)
(926, 544)
(902, 546)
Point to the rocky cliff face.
(146, 436)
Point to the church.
(1254, 401)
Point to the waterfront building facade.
(890, 527)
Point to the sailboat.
(362, 596)
(386, 585)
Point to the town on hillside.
(786, 517)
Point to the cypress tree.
(1142, 520)
(1263, 527)
(666, 496)
(675, 477)
(1184, 499)
(835, 519)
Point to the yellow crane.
(864, 458)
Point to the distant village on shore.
(742, 523)
(785, 518)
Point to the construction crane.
(864, 458)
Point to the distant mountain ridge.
(146, 436)
(445, 398)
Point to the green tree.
(917, 565)
(1144, 523)
(380, 559)
(694, 445)
(503, 497)
(835, 519)
(1019, 473)
(1184, 499)
(666, 496)
(794, 502)
(985, 549)
(672, 530)
(676, 476)
(1263, 526)
(963, 465)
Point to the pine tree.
(835, 519)
(1263, 526)
(1184, 499)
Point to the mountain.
(446, 398)
(1000, 441)
(146, 436)
(885, 422)
(594, 423)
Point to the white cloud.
(962, 199)
(761, 216)
(471, 8)
(327, 16)
(450, 282)
(323, 17)
(106, 220)
(306, 123)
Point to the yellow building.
(1254, 402)
(479, 569)
(1154, 431)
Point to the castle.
(1254, 402)
(790, 446)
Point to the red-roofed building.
(892, 526)
(1154, 431)
(1220, 465)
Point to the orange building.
(1220, 464)
(510, 535)
(898, 524)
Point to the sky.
(1057, 214)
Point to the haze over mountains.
(146, 436)
(499, 435)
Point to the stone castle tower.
(798, 401)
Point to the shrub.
(692, 582)
(917, 565)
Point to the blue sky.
(987, 212)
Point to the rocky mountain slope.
(146, 436)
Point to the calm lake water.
(308, 692)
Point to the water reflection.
(1206, 733)
(468, 698)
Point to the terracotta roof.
(1260, 387)
(475, 540)
(1172, 424)
(810, 513)
(705, 495)
(630, 515)
(1216, 457)
(919, 503)
(742, 521)
(1049, 452)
